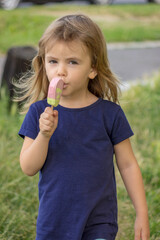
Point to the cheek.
(49, 72)
(46, 69)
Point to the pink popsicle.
(55, 91)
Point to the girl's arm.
(132, 178)
(34, 152)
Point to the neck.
(78, 102)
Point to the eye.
(52, 61)
(73, 62)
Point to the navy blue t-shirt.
(77, 189)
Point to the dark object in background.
(154, 1)
(11, 4)
(18, 62)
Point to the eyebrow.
(70, 58)
(50, 57)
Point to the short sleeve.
(121, 129)
(30, 125)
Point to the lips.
(65, 85)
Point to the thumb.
(55, 113)
(48, 110)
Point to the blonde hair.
(69, 28)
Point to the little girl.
(72, 145)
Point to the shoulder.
(109, 104)
(30, 126)
(38, 106)
(110, 108)
(36, 109)
(116, 122)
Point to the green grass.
(18, 193)
(142, 106)
(19, 196)
(119, 23)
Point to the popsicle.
(55, 91)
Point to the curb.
(133, 45)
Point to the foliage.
(18, 199)
(142, 107)
(119, 23)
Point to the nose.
(61, 71)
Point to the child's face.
(71, 62)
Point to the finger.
(49, 113)
(45, 128)
(137, 234)
(46, 116)
(48, 110)
(55, 113)
(47, 122)
(145, 235)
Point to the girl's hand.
(48, 122)
(141, 228)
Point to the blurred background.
(11, 4)
(132, 32)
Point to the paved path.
(134, 61)
(130, 61)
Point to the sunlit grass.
(142, 106)
(121, 23)
(18, 193)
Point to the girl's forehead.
(71, 46)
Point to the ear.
(93, 73)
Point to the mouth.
(65, 85)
